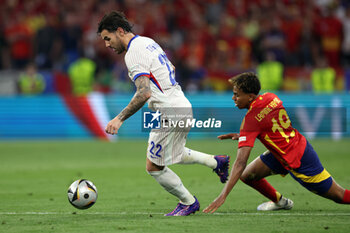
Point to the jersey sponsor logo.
(242, 139)
(151, 120)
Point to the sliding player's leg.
(313, 176)
(254, 176)
(337, 193)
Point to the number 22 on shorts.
(155, 150)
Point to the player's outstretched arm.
(143, 93)
(233, 136)
(236, 172)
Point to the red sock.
(265, 188)
(346, 198)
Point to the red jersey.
(268, 121)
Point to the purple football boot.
(222, 167)
(184, 210)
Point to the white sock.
(192, 156)
(173, 184)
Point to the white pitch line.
(287, 214)
(145, 213)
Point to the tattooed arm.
(143, 93)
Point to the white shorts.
(166, 146)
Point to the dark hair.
(247, 82)
(112, 21)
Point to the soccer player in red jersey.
(288, 150)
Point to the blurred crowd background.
(294, 45)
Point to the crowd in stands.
(207, 41)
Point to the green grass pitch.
(34, 177)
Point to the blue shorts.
(310, 174)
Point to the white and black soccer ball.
(82, 194)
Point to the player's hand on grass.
(215, 204)
(233, 136)
(113, 126)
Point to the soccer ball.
(82, 194)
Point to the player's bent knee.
(248, 177)
(150, 166)
(152, 169)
